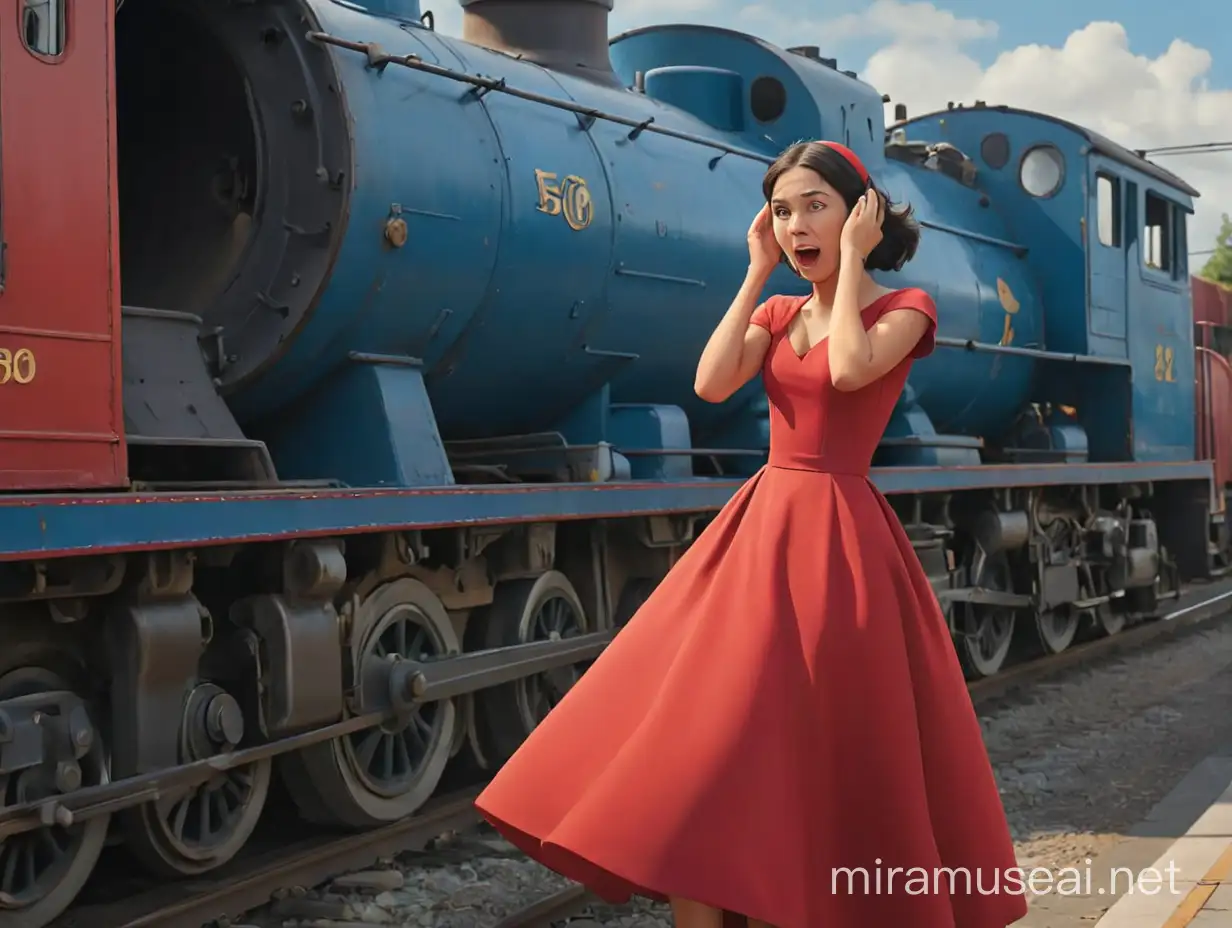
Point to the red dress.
(786, 704)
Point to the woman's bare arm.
(859, 356)
(736, 348)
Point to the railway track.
(1198, 605)
(257, 876)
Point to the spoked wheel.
(382, 774)
(983, 654)
(546, 608)
(199, 829)
(42, 871)
(1056, 628)
(1106, 620)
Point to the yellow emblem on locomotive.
(1164, 358)
(1009, 303)
(569, 197)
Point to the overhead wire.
(1197, 148)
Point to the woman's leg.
(688, 914)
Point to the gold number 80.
(17, 366)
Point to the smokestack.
(563, 35)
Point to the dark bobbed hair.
(900, 234)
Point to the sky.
(1144, 74)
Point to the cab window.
(43, 25)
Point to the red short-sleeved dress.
(786, 707)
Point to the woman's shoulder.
(775, 311)
(906, 298)
(912, 298)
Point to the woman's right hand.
(764, 251)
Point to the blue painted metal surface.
(380, 432)
(69, 525)
(618, 249)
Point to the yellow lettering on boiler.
(1009, 303)
(569, 197)
(1164, 357)
(17, 366)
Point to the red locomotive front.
(61, 414)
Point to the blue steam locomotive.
(390, 424)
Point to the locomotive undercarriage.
(1029, 572)
(155, 695)
(159, 697)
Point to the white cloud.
(1095, 80)
(908, 22)
(898, 21)
(639, 12)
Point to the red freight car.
(1212, 302)
(1212, 310)
(61, 414)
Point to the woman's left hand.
(862, 231)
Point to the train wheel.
(382, 774)
(1056, 629)
(42, 871)
(983, 654)
(546, 608)
(194, 831)
(1106, 620)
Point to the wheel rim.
(988, 647)
(200, 822)
(553, 618)
(209, 823)
(34, 864)
(390, 759)
(1109, 620)
(1105, 620)
(1056, 629)
(328, 782)
(985, 652)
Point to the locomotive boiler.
(454, 257)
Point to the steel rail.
(201, 901)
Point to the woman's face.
(808, 222)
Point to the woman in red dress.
(782, 731)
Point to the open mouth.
(806, 256)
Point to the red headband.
(851, 157)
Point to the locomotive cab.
(1104, 234)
